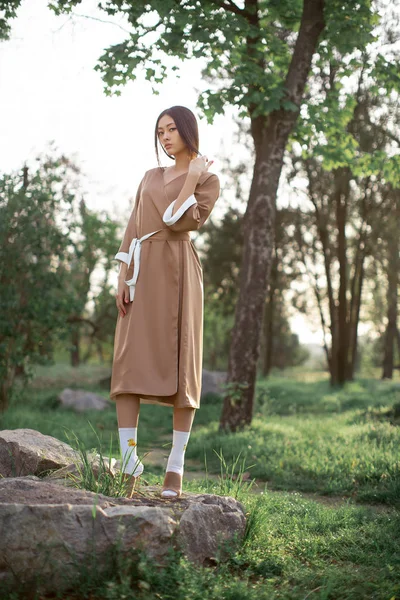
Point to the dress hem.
(144, 400)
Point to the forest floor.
(317, 471)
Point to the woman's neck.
(182, 161)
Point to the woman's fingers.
(206, 163)
(121, 308)
(122, 299)
(200, 164)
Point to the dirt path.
(194, 470)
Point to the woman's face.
(169, 136)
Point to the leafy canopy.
(246, 50)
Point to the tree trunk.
(270, 138)
(75, 345)
(6, 385)
(393, 283)
(398, 346)
(269, 338)
(354, 320)
(342, 180)
(266, 344)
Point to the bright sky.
(50, 91)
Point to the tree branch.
(311, 26)
(230, 6)
(106, 22)
(77, 319)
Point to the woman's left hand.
(199, 165)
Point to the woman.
(159, 333)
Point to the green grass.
(293, 549)
(305, 436)
(311, 438)
(38, 408)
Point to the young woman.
(158, 347)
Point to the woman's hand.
(199, 165)
(122, 297)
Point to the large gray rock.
(28, 452)
(48, 531)
(81, 400)
(212, 382)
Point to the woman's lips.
(168, 146)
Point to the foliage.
(8, 11)
(351, 105)
(232, 480)
(315, 439)
(33, 281)
(95, 469)
(92, 246)
(216, 335)
(222, 250)
(246, 50)
(50, 245)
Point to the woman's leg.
(128, 408)
(183, 419)
(182, 424)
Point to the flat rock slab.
(47, 531)
(28, 452)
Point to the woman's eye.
(172, 128)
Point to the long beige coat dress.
(158, 346)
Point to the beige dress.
(158, 346)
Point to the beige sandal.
(172, 487)
(131, 480)
(130, 483)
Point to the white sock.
(128, 443)
(177, 456)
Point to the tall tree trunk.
(398, 347)
(6, 384)
(269, 307)
(354, 320)
(321, 218)
(270, 137)
(342, 180)
(393, 283)
(75, 345)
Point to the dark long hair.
(186, 125)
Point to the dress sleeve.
(130, 231)
(195, 211)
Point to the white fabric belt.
(126, 257)
(136, 243)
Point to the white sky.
(50, 91)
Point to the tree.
(258, 56)
(33, 284)
(263, 67)
(347, 146)
(50, 244)
(93, 239)
(9, 9)
(392, 334)
(382, 274)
